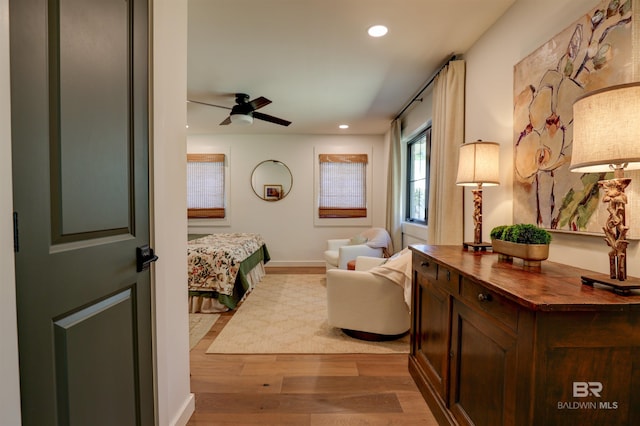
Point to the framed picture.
(595, 51)
(272, 192)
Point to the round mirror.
(271, 180)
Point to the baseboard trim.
(295, 263)
(188, 409)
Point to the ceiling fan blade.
(271, 119)
(259, 103)
(226, 121)
(204, 103)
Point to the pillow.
(358, 239)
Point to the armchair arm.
(348, 253)
(335, 244)
(364, 263)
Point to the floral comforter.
(214, 260)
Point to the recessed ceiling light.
(344, 126)
(377, 30)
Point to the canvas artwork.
(594, 52)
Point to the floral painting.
(594, 52)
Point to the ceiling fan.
(244, 111)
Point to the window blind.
(343, 184)
(205, 186)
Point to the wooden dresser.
(493, 344)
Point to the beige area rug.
(288, 314)
(199, 326)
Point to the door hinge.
(16, 237)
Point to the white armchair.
(368, 305)
(375, 242)
(340, 252)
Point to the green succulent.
(521, 233)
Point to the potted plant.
(524, 241)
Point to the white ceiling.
(314, 60)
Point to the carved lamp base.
(620, 287)
(477, 246)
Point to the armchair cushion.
(374, 242)
(339, 256)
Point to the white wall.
(175, 402)
(288, 225)
(489, 116)
(9, 378)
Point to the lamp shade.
(478, 162)
(606, 129)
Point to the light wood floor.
(351, 389)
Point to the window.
(205, 186)
(418, 157)
(342, 189)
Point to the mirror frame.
(262, 192)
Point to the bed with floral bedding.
(223, 268)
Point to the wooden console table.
(493, 344)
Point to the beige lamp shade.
(606, 130)
(478, 162)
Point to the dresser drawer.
(499, 307)
(425, 267)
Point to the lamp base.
(477, 246)
(619, 287)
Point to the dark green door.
(79, 82)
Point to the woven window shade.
(343, 184)
(205, 186)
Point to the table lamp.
(606, 138)
(478, 165)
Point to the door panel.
(79, 82)
(90, 112)
(78, 379)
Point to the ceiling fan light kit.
(241, 119)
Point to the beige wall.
(489, 108)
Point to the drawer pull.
(424, 264)
(484, 297)
(448, 275)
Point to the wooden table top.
(552, 287)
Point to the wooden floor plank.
(369, 419)
(300, 368)
(264, 419)
(251, 384)
(223, 403)
(389, 368)
(356, 384)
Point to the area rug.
(199, 326)
(287, 314)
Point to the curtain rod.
(453, 57)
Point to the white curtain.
(394, 186)
(445, 220)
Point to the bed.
(223, 269)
